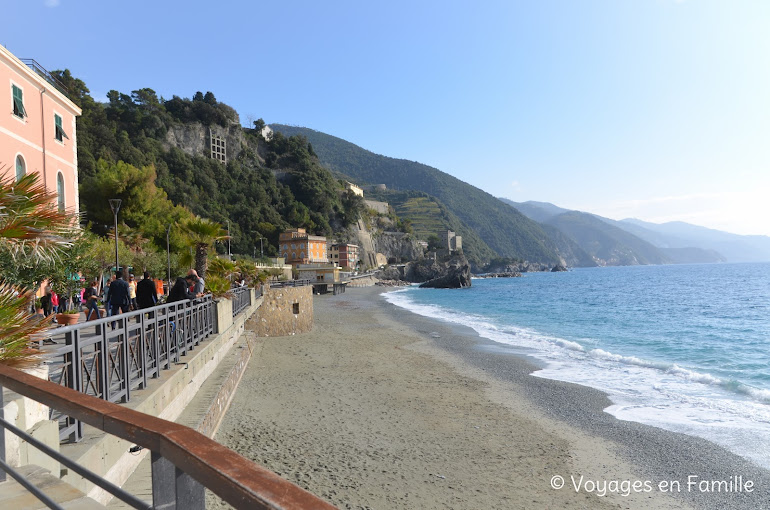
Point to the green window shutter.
(18, 102)
(60, 134)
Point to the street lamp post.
(115, 206)
(229, 256)
(168, 255)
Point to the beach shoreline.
(378, 407)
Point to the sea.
(681, 347)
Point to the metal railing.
(43, 73)
(109, 357)
(241, 299)
(290, 283)
(184, 462)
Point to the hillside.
(607, 244)
(504, 229)
(538, 211)
(139, 139)
(677, 250)
(677, 234)
(429, 217)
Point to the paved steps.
(15, 496)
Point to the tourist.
(107, 307)
(179, 291)
(45, 302)
(132, 292)
(119, 295)
(54, 302)
(91, 296)
(146, 293)
(199, 284)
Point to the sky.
(653, 109)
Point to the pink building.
(37, 128)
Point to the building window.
(21, 168)
(18, 102)
(60, 190)
(295, 308)
(218, 148)
(59, 130)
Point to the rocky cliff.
(452, 273)
(195, 138)
(398, 246)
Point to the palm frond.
(30, 223)
(18, 327)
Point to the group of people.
(122, 296)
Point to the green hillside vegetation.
(429, 217)
(609, 245)
(122, 154)
(508, 232)
(568, 249)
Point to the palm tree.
(201, 235)
(30, 223)
(31, 228)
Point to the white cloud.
(516, 185)
(52, 3)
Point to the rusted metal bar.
(238, 481)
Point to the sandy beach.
(380, 408)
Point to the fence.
(290, 283)
(184, 462)
(108, 358)
(241, 299)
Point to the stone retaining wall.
(284, 311)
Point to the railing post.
(143, 348)
(104, 363)
(190, 494)
(125, 369)
(163, 485)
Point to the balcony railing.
(43, 73)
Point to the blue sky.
(655, 109)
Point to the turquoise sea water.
(682, 347)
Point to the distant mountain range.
(533, 231)
(675, 242)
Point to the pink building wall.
(33, 137)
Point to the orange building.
(37, 128)
(344, 255)
(298, 247)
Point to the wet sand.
(380, 408)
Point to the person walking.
(45, 302)
(54, 302)
(146, 292)
(91, 296)
(119, 295)
(132, 292)
(106, 297)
